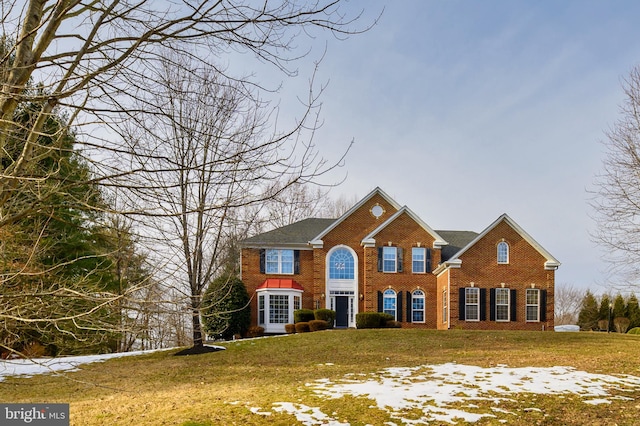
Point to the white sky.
(465, 110)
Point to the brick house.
(380, 256)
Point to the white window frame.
(503, 296)
(421, 261)
(390, 294)
(415, 296)
(445, 307)
(472, 292)
(532, 305)
(261, 309)
(266, 299)
(503, 253)
(386, 257)
(280, 260)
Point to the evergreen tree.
(619, 307)
(633, 311)
(57, 264)
(589, 314)
(604, 313)
(225, 309)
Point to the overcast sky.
(465, 110)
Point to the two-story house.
(380, 256)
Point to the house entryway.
(342, 311)
(342, 285)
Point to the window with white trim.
(279, 308)
(279, 261)
(389, 300)
(445, 306)
(472, 304)
(297, 302)
(417, 306)
(419, 260)
(341, 265)
(389, 259)
(503, 252)
(502, 304)
(276, 306)
(261, 309)
(533, 305)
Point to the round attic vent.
(377, 211)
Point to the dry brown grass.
(221, 387)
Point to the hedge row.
(306, 326)
(376, 320)
(308, 315)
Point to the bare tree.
(91, 60)
(207, 151)
(617, 196)
(568, 301)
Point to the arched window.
(341, 265)
(389, 302)
(503, 252)
(417, 306)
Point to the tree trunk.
(197, 328)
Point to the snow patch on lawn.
(34, 366)
(446, 392)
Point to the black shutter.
(513, 305)
(543, 305)
(262, 261)
(379, 259)
(428, 260)
(483, 304)
(379, 301)
(492, 304)
(400, 258)
(461, 304)
(296, 261)
(409, 307)
(399, 306)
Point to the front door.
(342, 311)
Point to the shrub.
(326, 315)
(372, 319)
(386, 318)
(225, 311)
(303, 315)
(393, 324)
(290, 328)
(255, 331)
(317, 325)
(634, 330)
(302, 327)
(603, 325)
(621, 324)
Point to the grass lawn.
(235, 386)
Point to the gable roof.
(317, 241)
(457, 240)
(455, 261)
(295, 235)
(369, 240)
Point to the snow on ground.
(31, 367)
(434, 389)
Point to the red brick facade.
(361, 234)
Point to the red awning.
(280, 283)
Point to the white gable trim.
(551, 264)
(369, 240)
(317, 241)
